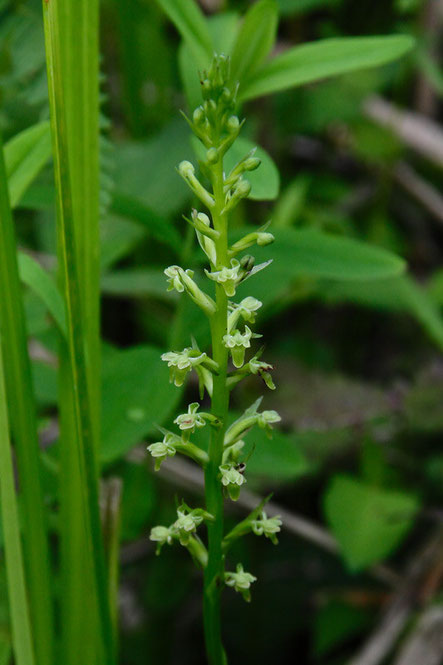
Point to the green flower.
(161, 535)
(182, 362)
(247, 309)
(237, 343)
(262, 369)
(240, 581)
(227, 277)
(267, 526)
(174, 275)
(163, 449)
(188, 422)
(232, 478)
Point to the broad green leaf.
(255, 40)
(368, 522)
(309, 253)
(322, 59)
(265, 180)
(145, 170)
(137, 283)
(43, 285)
(118, 238)
(25, 156)
(337, 622)
(279, 459)
(160, 227)
(191, 24)
(147, 400)
(399, 294)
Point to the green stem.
(214, 572)
(22, 416)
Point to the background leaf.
(190, 22)
(42, 284)
(319, 60)
(368, 522)
(146, 401)
(308, 253)
(25, 156)
(255, 40)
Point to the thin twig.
(420, 189)
(418, 132)
(401, 606)
(425, 645)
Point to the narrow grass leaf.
(254, 40)
(25, 155)
(73, 89)
(322, 59)
(42, 284)
(22, 416)
(18, 604)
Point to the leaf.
(118, 238)
(322, 59)
(255, 40)
(43, 285)
(279, 459)
(137, 283)
(15, 571)
(265, 181)
(309, 253)
(145, 170)
(368, 522)
(146, 401)
(295, 7)
(160, 227)
(399, 294)
(25, 156)
(191, 24)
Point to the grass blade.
(20, 623)
(23, 422)
(71, 37)
(25, 156)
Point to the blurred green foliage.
(356, 345)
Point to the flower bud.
(212, 156)
(199, 116)
(186, 169)
(232, 124)
(251, 163)
(264, 239)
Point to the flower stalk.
(224, 465)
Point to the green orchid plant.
(217, 127)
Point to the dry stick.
(420, 189)
(188, 475)
(425, 644)
(419, 133)
(401, 606)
